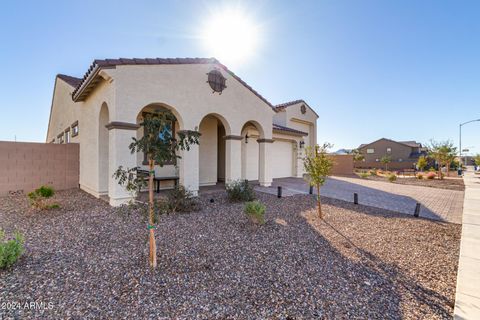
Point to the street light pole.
(460, 139)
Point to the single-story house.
(243, 136)
(403, 154)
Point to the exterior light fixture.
(246, 138)
(301, 144)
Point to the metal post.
(460, 145)
(355, 198)
(311, 190)
(417, 210)
(279, 192)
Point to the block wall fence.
(342, 164)
(25, 166)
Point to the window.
(67, 135)
(75, 129)
(60, 138)
(389, 150)
(370, 150)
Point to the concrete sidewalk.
(467, 303)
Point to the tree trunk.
(440, 170)
(153, 245)
(319, 204)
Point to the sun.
(231, 36)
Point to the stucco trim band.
(122, 125)
(233, 137)
(265, 140)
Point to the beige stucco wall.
(127, 89)
(64, 112)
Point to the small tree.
(160, 145)
(386, 160)
(443, 152)
(422, 163)
(318, 167)
(477, 160)
(357, 156)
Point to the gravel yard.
(90, 261)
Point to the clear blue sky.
(407, 70)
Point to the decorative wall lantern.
(301, 144)
(246, 138)
(216, 81)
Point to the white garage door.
(282, 159)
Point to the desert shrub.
(240, 190)
(392, 177)
(373, 172)
(40, 198)
(10, 250)
(432, 169)
(379, 171)
(419, 176)
(181, 199)
(255, 210)
(431, 175)
(364, 175)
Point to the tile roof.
(73, 81)
(412, 144)
(288, 104)
(284, 105)
(287, 129)
(112, 63)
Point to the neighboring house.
(243, 136)
(403, 154)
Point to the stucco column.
(233, 158)
(120, 136)
(188, 166)
(264, 175)
(299, 154)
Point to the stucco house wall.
(111, 99)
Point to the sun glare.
(231, 36)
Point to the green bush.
(392, 177)
(10, 250)
(364, 175)
(181, 200)
(255, 210)
(240, 190)
(39, 198)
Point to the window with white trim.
(371, 150)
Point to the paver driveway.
(437, 204)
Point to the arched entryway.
(170, 169)
(103, 151)
(212, 149)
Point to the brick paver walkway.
(437, 204)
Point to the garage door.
(282, 159)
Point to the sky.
(404, 70)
